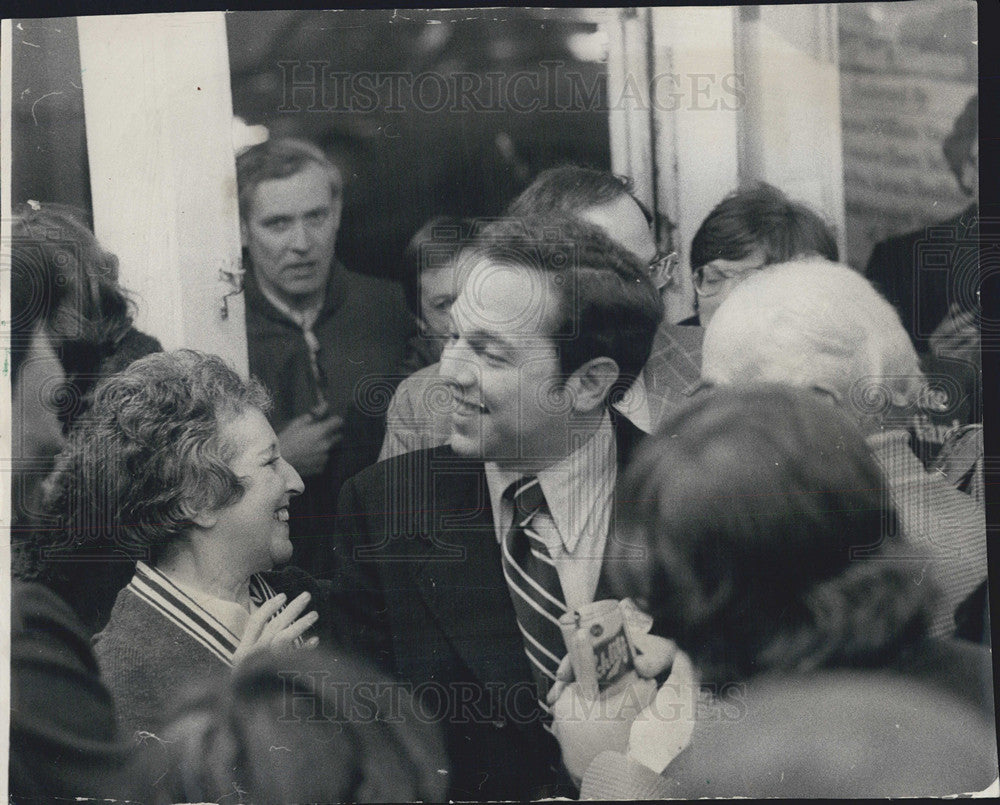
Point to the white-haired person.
(820, 325)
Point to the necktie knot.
(527, 496)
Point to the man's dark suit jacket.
(924, 272)
(418, 550)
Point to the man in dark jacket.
(547, 332)
(322, 339)
(924, 273)
(931, 276)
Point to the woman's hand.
(586, 727)
(662, 731)
(266, 630)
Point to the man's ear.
(589, 384)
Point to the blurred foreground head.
(768, 538)
(302, 727)
(817, 325)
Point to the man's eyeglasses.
(661, 269)
(710, 280)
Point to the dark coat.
(64, 740)
(923, 273)
(419, 549)
(363, 328)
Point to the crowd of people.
(354, 575)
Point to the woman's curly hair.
(144, 460)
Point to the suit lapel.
(460, 576)
(458, 571)
(628, 437)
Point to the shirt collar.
(634, 405)
(334, 296)
(305, 318)
(567, 484)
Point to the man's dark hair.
(278, 159)
(958, 144)
(776, 547)
(608, 306)
(762, 217)
(569, 189)
(435, 244)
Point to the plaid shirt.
(949, 527)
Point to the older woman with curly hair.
(177, 469)
(767, 547)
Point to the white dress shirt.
(578, 491)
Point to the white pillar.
(790, 124)
(727, 96)
(162, 171)
(629, 115)
(678, 138)
(695, 105)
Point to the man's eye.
(318, 217)
(279, 225)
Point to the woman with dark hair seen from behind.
(71, 323)
(775, 562)
(298, 727)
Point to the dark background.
(401, 167)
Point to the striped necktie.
(534, 585)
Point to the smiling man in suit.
(466, 554)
